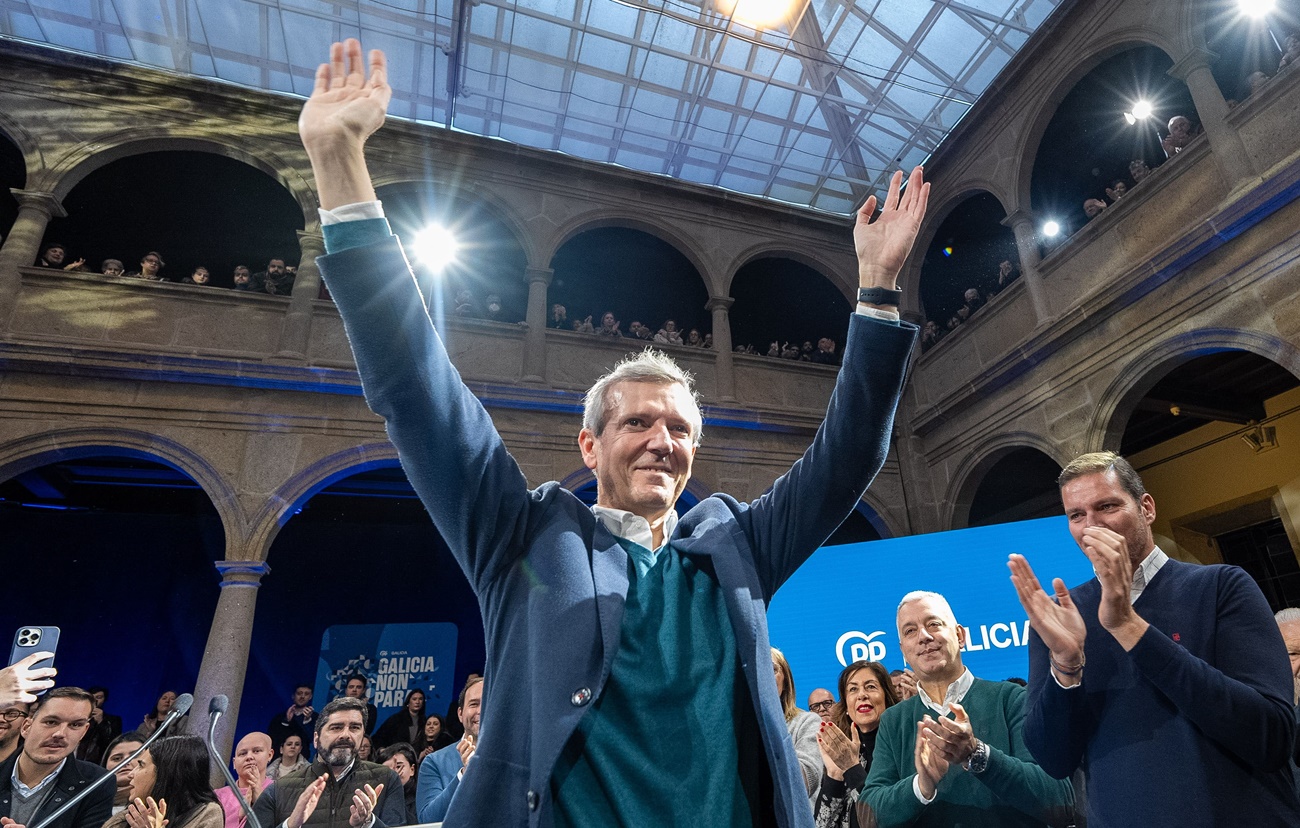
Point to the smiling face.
(1100, 499)
(643, 455)
(432, 727)
(471, 713)
(931, 640)
(864, 699)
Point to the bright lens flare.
(1050, 229)
(435, 247)
(1142, 110)
(1255, 8)
(758, 14)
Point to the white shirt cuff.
(352, 212)
(916, 789)
(877, 313)
(1058, 681)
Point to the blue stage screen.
(840, 606)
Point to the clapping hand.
(145, 813)
(1057, 622)
(839, 752)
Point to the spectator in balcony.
(963, 313)
(200, 276)
(275, 280)
(56, 256)
(609, 326)
(954, 322)
(973, 299)
(806, 351)
(150, 267)
(583, 326)
(242, 278)
(1255, 81)
(112, 267)
(1007, 273)
(708, 340)
(789, 351)
(1116, 190)
(1291, 51)
(493, 307)
(825, 353)
(694, 339)
(464, 304)
(1181, 133)
(1138, 170)
(559, 317)
(641, 332)
(1092, 207)
(774, 350)
(931, 333)
(668, 334)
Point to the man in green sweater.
(954, 753)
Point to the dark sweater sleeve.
(1057, 722)
(264, 807)
(97, 807)
(391, 808)
(1243, 702)
(1015, 778)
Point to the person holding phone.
(21, 682)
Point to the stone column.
(1022, 224)
(295, 333)
(1229, 152)
(35, 209)
(539, 279)
(225, 658)
(724, 365)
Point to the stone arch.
(1036, 123)
(841, 274)
(27, 144)
(913, 271)
(31, 452)
(103, 150)
(298, 489)
(878, 516)
(598, 219)
(972, 471)
(1135, 378)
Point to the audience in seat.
(355, 688)
(1092, 207)
(151, 266)
(298, 720)
(668, 334)
(821, 702)
(406, 725)
(252, 756)
(170, 787)
(112, 267)
(160, 710)
(1181, 133)
(802, 724)
(56, 256)
(441, 771)
(103, 728)
(1173, 668)
(955, 753)
(847, 743)
(292, 758)
(608, 326)
(1138, 170)
(198, 277)
(338, 790)
(242, 278)
(904, 682)
(1116, 190)
(275, 280)
(931, 333)
(11, 723)
(114, 756)
(401, 759)
(436, 736)
(559, 317)
(37, 779)
(825, 353)
(1290, 50)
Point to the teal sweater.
(1012, 791)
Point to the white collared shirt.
(27, 792)
(954, 694)
(634, 528)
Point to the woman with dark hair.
(848, 741)
(401, 758)
(436, 736)
(170, 787)
(160, 710)
(802, 724)
(117, 750)
(406, 725)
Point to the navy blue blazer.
(437, 784)
(74, 777)
(550, 580)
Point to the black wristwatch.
(979, 758)
(879, 296)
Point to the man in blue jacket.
(1166, 682)
(628, 664)
(441, 771)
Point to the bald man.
(252, 755)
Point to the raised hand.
(141, 813)
(882, 245)
(19, 682)
(306, 804)
(1057, 622)
(930, 764)
(1108, 551)
(466, 747)
(363, 805)
(839, 752)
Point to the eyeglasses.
(821, 705)
(11, 714)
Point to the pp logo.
(861, 647)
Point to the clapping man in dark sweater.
(1166, 681)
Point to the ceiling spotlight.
(757, 14)
(1051, 229)
(1142, 110)
(435, 247)
(1255, 8)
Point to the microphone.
(216, 709)
(180, 707)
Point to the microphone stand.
(216, 707)
(179, 708)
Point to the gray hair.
(923, 595)
(1100, 462)
(648, 366)
(1286, 616)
